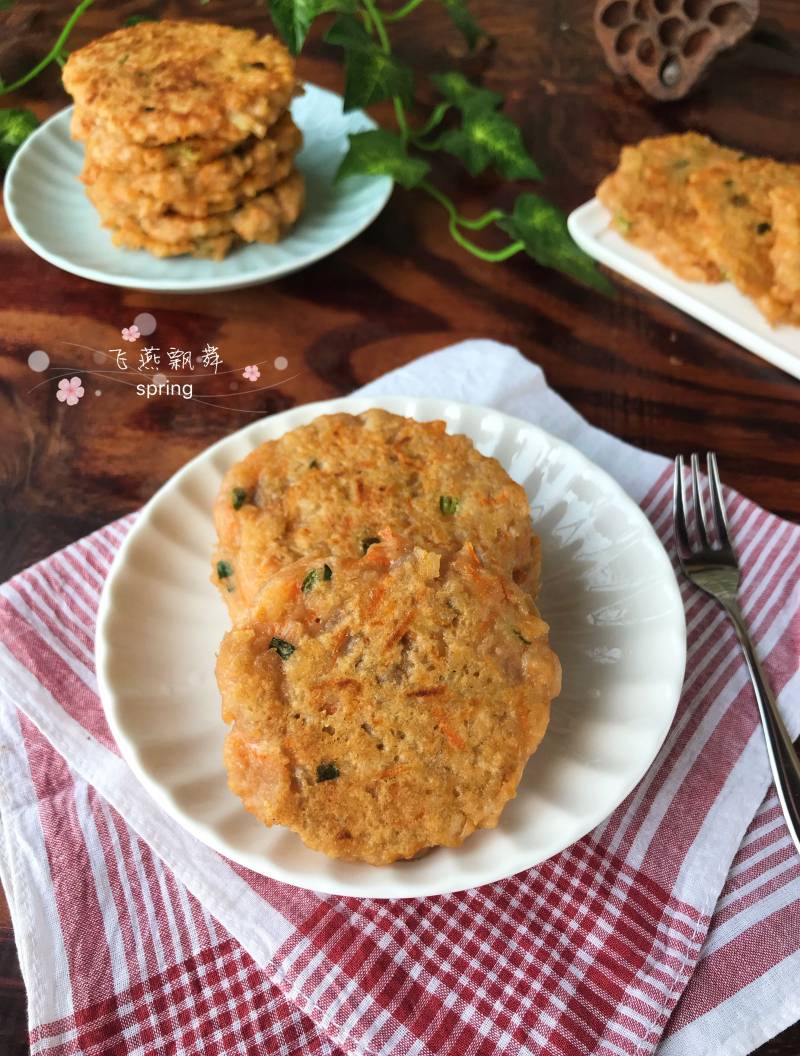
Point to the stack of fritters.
(713, 214)
(388, 675)
(189, 142)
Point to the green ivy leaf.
(370, 74)
(462, 93)
(6, 4)
(542, 227)
(464, 22)
(487, 137)
(348, 32)
(15, 127)
(134, 20)
(293, 18)
(379, 153)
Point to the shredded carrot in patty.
(339, 641)
(448, 732)
(406, 460)
(392, 771)
(473, 555)
(337, 683)
(375, 556)
(400, 629)
(375, 599)
(494, 500)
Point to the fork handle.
(783, 759)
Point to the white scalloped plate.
(48, 209)
(608, 591)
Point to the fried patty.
(333, 485)
(267, 217)
(133, 159)
(116, 201)
(649, 204)
(215, 186)
(785, 254)
(264, 218)
(386, 704)
(216, 247)
(160, 82)
(735, 220)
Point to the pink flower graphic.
(70, 391)
(252, 373)
(130, 333)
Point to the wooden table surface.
(632, 365)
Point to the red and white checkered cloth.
(674, 926)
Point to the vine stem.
(401, 12)
(435, 119)
(55, 51)
(376, 18)
(492, 256)
(400, 114)
(481, 221)
(434, 145)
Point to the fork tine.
(678, 509)
(717, 500)
(697, 499)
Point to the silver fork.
(711, 565)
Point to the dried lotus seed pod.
(666, 45)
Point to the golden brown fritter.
(267, 217)
(170, 235)
(160, 82)
(785, 254)
(333, 485)
(132, 159)
(128, 235)
(215, 186)
(387, 704)
(649, 204)
(116, 201)
(735, 220)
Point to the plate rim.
(383, 184)
(583, 226)
(331, 885)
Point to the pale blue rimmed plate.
(48, 209)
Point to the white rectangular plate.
(719, 306)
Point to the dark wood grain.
(632, 365)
